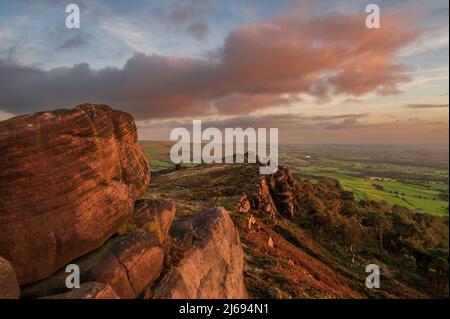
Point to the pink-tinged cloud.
(257, 65)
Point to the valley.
(416, 179)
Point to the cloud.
(74, 42)
(198, 30)
(186, 14)
(128, 33)
(432, 40)
(182, 13)
(287, 121)
(426, 106)
(351, 101)
(298, 128)
(270, 120)
(3, 34)
(258, 65)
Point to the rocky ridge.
(70, 181)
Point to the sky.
(312, 69)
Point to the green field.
(413, 197)
(397, 177)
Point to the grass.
(414, 197)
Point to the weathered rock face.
(155, 216)
(127, 263)
(9, 287)
(204, 260)
(68, 180)
(279, 193)
(211, 265)
(131, 264)
(89, 290)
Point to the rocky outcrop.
(205, 259)
(127, 263)
(243, 204)
(68, 180)
(279, 193)
(211, 262)
(264, 201)
(90, 290)
(155, 216)
(9, 287)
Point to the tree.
(381, 225)
(353, 235)
(439, 266)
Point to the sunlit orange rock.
(156, 216)
(127, 263)
(68, 180)
(211, 265)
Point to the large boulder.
(9, 287)
(89, 290)
(127, 263)
(131, 263)
(68, 180)
(211, 264)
